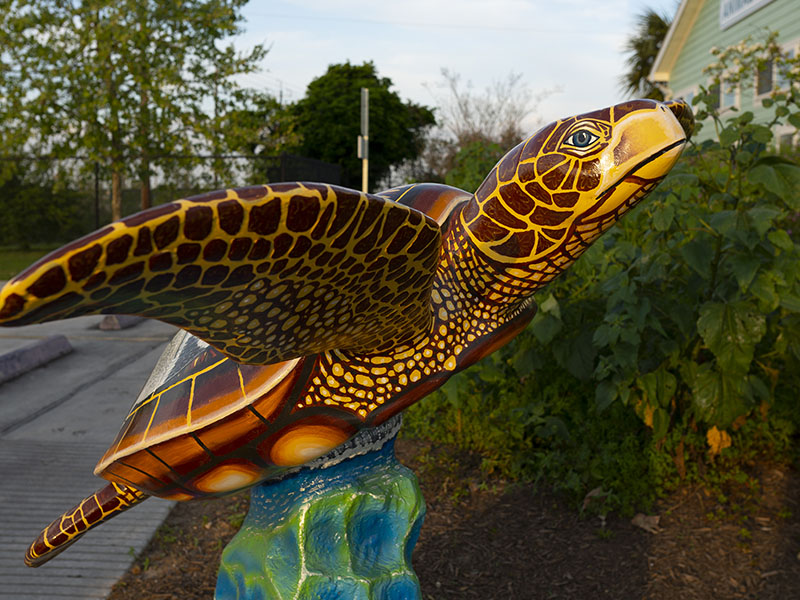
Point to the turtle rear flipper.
(105, 503)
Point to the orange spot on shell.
(179, 497)
(305, 443)
(227, 478)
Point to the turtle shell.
(190, 431)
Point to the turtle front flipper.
(264, 274)
(107, 502)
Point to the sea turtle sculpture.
(312, 312)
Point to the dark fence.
(291, 167)
(45, 200)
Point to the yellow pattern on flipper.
(264, 274)
(100, 506)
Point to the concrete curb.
(19, 361)
(117, 322)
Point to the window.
(729, 96)
(785, 137)
(783, 81)
(764, 79)
(725, 96)
(713, 91)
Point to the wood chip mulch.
(484, 538)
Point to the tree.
(121, 82)
(328, 122)
(475, 129)
(266, 128)
(642, 48)
(472, 162)
(494, 114)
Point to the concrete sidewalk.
(55, 423)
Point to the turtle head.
(557, 191)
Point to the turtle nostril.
(683, 112)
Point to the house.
(700, 25)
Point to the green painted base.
(342, 532)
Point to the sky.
(575, 46)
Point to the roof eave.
(676, 37)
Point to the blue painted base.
(342, 532)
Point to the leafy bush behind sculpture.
(686, 315)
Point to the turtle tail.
(105, 503)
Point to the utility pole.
(363, 139)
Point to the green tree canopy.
(328, 122)
(119, 82)
(642, 48)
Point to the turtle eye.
(581, 138)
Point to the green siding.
(780, 15)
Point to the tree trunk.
(116, 196)
(145, 192)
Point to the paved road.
(55, 423)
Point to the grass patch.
(13, 260)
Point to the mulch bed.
(484, 538)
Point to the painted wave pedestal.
(344, 529)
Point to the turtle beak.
(646, 145)
(649, 142)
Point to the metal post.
(97, 195)
(363, 139)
